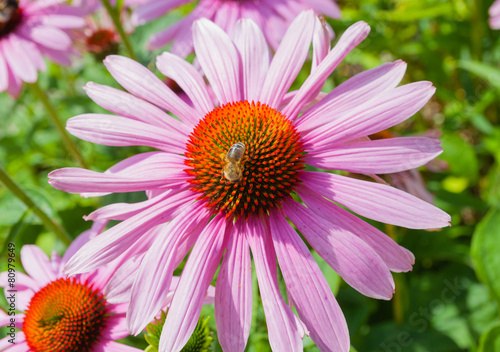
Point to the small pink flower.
(29, 30)
(494, 12)
(68, 312)
(207, 199)
(272, 16)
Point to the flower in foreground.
(192, 206)
(272, 16)
(30, 30)
(494, 12)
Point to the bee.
(232, 169)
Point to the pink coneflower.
(30, 30)
(272, 16)
(206, 206)
(494, 12)
(61, 313)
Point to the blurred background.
(449, 302)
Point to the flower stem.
(54, 117)
(397, 299)
(115, 17)
(51, 224)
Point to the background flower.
(29, 30)
(251, 213)
(272, 16)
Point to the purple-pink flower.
(65, 313)
(494, 12)
(272, 16)
(29, 30)
(209, 199)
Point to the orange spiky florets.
(271, 165)
(65, 316)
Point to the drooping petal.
(142, 83)
(195, 280)
(397, 258)
(376, 201)
(284, 328)
(154, 9)
(158, 265)
(188, 78)
(288, 59)
(305, 282)
(233, 294)
(346, 253)
(380, 156)
(254, 53)
(219, 60)
(348, 41)
(18, 59)
(351, 93)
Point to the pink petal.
(195, 279)
(154, 9)
(284, 328)
(397, 258)
(354, 35)
(18, 58)
(116, 328)
(123, 211)
(254, 52)
(60, 57)
(233, 295)
(219, 60)
(48, 36)
(347, 254)
(376, 201)
(373, 116)
(328, 8)
(151, 170)
(37, 264)
(65, 21)
(321, 41)
(188, 78)
(19, 346)
(112, 243)
(305, 282)
(353, 92)
(142, 83)
(128, 105)
(157, 267)
(288, 59)
(112, 346)
(4, 73)
(120, 131)
(84, 237)
(381, 156)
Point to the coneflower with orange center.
(228, 177)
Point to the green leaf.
(461, 157)
(484, 251)
(490, 340)
(489, 73)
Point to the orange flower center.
(244, 158)
(64, 316)
(10, 16)
(102, 43)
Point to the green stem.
(397, 299)
(115, 17)
(54, 117)
(51, 224)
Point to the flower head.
(30, 30)
(273, 16)
(227, 177)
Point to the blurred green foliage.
(449, 302)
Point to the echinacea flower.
(204, 213)
(29, 30)
(272, 16)
(63, 313)
(494, 12)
